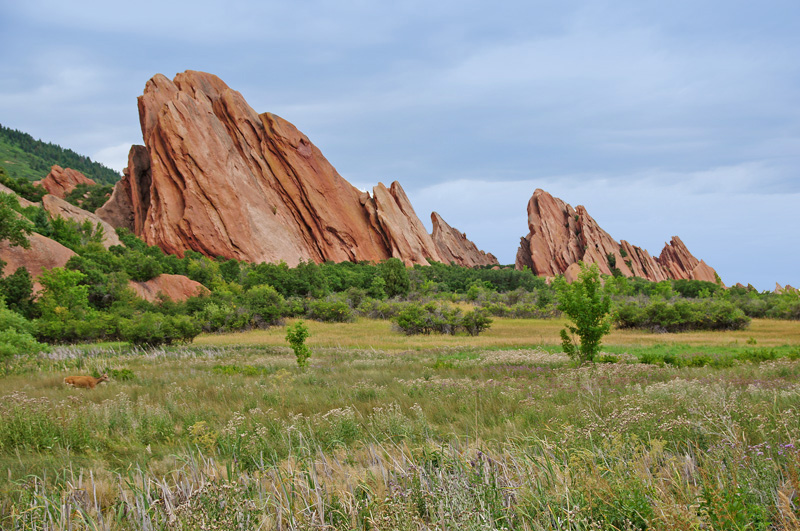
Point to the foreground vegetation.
(499, 431)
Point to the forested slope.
(23, 156)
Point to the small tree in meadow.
(587, 304)
(296, 335)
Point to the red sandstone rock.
(135, 183)
(175, 287)
(454, 247)
(784, 289)
(43, 253)
(561, 236)
(679, 263)
(406, 236)
(55, 206)
(217, 178)
(61, 181)
(572, 272)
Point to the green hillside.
(23, 156)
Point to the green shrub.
(380, 309)
(15, 334)
(89, 196)
(222, 316)
(475, 322)
(67, 328)
(440, 318)
(680, 315)
(121, 375)
(330, 311)
(296, 335)
(141, 267)
(13, 227)
(587, 304)
(266, 305)
(154, 329)
(395, 277)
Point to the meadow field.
(695, 430)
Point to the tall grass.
(432, 436)
(504, 333)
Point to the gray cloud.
(683, 113)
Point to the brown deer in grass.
(86, 382)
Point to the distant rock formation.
(218, 178)
(561, 236)
(784, 289)
(175, 287)
(57, 207)
(61, 181)
(453, 246)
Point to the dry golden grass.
(504, 333)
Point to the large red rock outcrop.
(57, 207)
(61, 181)
(453, 245)
(561, 236)
(175, 287)
(218, 178)
(43, 253)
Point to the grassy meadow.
(387, 431)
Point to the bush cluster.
(442, 319)
(680, 315)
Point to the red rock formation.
(135, 183)
(784, 289)
(175, 287)
(679, 263)
(61, 181)
(57, 207)
(561, 236)
(453, 246)
(217, 178)
(43, 253)
(403, 231)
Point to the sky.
(661, 118)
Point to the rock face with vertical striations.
(560, 236)
(61, 181)
(453, 245)
(134, 187)
(218, 178)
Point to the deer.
(86, 382)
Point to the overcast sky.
(662, 118)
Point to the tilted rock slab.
(61, 181)
(218, 178)
(561, 236)
(57, 207)
(43, 254)
(175, 287)
(453, 245)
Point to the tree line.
(32, 159)
(90, 299)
